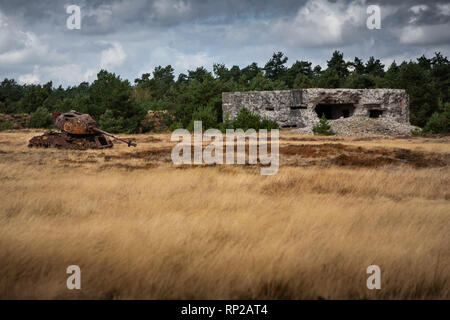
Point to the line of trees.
(121, 106)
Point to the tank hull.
(63, 140)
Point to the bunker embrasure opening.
(334, 111)
(375, 113)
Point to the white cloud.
(69, 73)
(418, 8)
(424, 35)
(3, 20)
(103, 15)
(321, 22)
(178, 60)
(191, 61)
(28, 48)
(21, 47)
(11, 39)
(171, 8)
(112, 57)
(30, 78)
(444, 9)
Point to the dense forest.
(120, 106)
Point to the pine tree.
(323, 128)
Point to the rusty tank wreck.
(78, 131)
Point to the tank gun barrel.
(129, 142)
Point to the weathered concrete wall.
(297, 108)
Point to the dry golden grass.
(140, 227)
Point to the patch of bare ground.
(127, 166)
(356, 156)
(153, 153)
(146, 139)
(312, 138)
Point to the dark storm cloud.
(118, 14)
(155, 12)
(134, 36)
(420, 13)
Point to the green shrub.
(168, 119)
(40, 118)
(268, 124)
(416, 132)
(323, 128)
(227, 123)
(133, 123)
(110, 123)
(438, 123)
(6, 126)
(247, 120)
(147, 126)
(206, 115)
(175, 125)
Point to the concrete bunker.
(302, 108)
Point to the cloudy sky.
(131, 37)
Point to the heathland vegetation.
(140, 227)
(120, 106)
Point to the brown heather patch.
(357, 156)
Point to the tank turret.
(74, 122)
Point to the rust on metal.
(76, 123)
(63, 140)
(78, 131)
